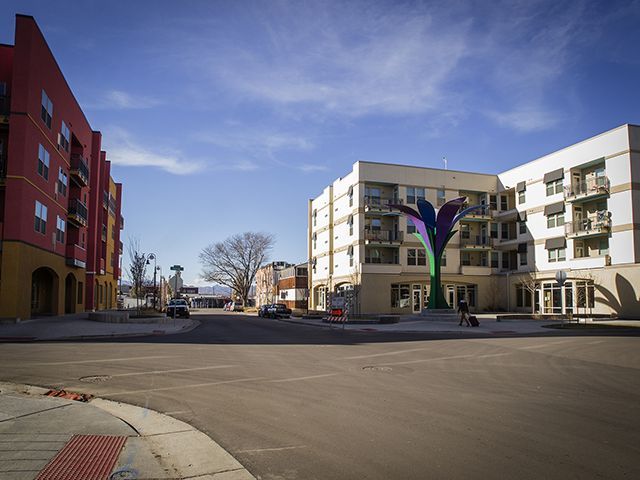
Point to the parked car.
(178, 307)
(263, 311)
(278, 310)
(237, 307)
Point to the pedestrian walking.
(463, 310)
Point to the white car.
(237, 307)
(178, 307)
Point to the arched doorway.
(44, 292)
(70, 288)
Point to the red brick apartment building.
(60, 215)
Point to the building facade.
(60, 239)
(267, 278)
(576, 210)
(292, 287)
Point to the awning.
(554, 208)
(521, 187)
(522, 216)
(522, 248)
(558, 242)
(553, 176)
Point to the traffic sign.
(177, 268)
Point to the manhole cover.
(124, 475)
(376, 368)
(95, 378)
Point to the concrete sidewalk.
(41, 434)
(75, 327)
(489, 325)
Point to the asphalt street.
(297, 402)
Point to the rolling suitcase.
(473, 320)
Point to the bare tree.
(235, 261)
(137, 270)
(531, 285)
(356, 286)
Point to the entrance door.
(451, 295)
(577, 218)
(417, 298)
(70, 294)
(576, 180)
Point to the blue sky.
(223, 117)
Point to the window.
(603, 247)
(411, 228)
(46, 112)
(63, 137)
(465, 258)
(374, 224)
(414, 194)
(554, 187)
(557, 254)
(521, 197)
(351, 196)
(416, 256)
(63, 182)
(441, 198)
(555, 220)
(495, 259)
(504, 231)
(443, 259)
(522, 227)
(585, 297)
(465, 231)
(40, 218)
(493, 230)
(315, 241)
(400, 296)
(493, 203)
(350, 223)
(504, 205)
(315, 217)
(523, 258)
(43, 162)
(60, 229)
(523, 296)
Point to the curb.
(194, 324)
(182, 449)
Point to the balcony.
(383, 236)
(79, 170)
(478, 215)
(592, 188)
(75, 256)
(78, 214)
(379, 204)
(104, 233)
(592, 226)
(121, 222)
(112, 206)
(5, 107)
(506, 215)
(120, 248)
(476, 242)
(105, 200)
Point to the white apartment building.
(576, 210)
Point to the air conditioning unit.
(607, 260)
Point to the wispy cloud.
(123, 150)
(311, 168)
(526, 119)
(119, 100)
(242, 138)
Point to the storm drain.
(377, 368)
(85, 457)
(95, 378)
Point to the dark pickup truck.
(278, 310)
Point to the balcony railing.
(594, 186)
(5, 105)
(383, 236)
(476, 242)
(75, 256)
(78, 213)
(105, 200)
(597, 224)
(79, 170)
(378, 203)
(381, 261)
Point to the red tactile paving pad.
(85, 457)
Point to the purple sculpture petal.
(417, 221)
(445, 221)
(466, 211)
(428, 213)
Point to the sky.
(221, 117)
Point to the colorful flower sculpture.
(434, 232)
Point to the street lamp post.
(152, 256)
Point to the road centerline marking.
(175, 370)
(182, 387)
(295, 379)
(103, 360)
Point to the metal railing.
(79, 165)
(591, 186)
(476, 241)
(383, 235)
(79, 209)
(599, 222)
(5, 105)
